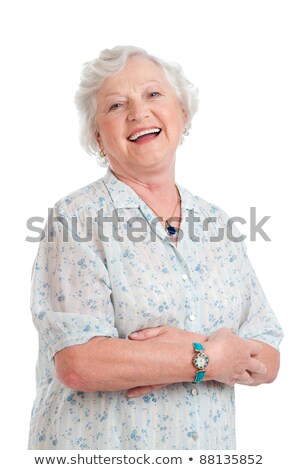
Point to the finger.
(147, 333)
(245, 379)
(143, 390)
(255, 347)
(256, 366)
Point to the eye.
(153, 94)
(115, 106)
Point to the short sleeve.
(70, 295)
(259, 321)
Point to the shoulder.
(212, 218)
(203, 207)
(85, 200)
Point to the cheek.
(176, 119)
(113, 139)
(110, 133)
(177, 128)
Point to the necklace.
(170, 229)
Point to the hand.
(232, 359)
(167, 334)
(164, 334)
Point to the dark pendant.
(171, 230)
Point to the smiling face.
(139, 119)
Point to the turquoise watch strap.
(199, 377)
(204, 361)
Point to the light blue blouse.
(112, 284)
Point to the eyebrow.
(116, 93)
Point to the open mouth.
(144, 135)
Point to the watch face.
(201, 360)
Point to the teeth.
(146, 131)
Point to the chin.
(153, 159)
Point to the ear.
(185, 116)
(99, 140)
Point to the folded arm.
(117, 364)
(159, 356)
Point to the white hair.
(109, 62)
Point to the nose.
(138, 110)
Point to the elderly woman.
(148, 313)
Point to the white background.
(241, 152)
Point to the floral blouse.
(106, 267)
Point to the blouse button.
(192, 317)
(184, 277)
(194, 392)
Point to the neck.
(158, 191)
(153, 187)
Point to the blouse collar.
(123, 196)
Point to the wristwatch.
(200, 361)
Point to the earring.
(101, 158)
(185, 133)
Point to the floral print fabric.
(111, 285)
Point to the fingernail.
(134, 335)
(130, 394)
